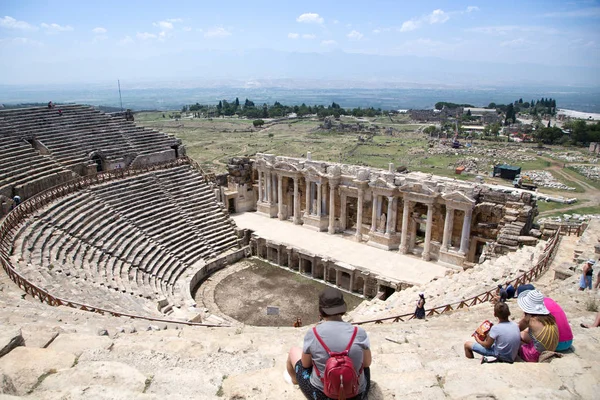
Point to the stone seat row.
(92, 265)
(135, 236)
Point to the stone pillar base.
(270, 210)
(383, 241)
(316, 223)
(451, 257)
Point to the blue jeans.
(479, 349)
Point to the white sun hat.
(532, 302)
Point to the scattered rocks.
(102, 332)
(546, 179)
(589, 171)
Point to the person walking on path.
(420, 310)
(305, 365)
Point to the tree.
(258, 123)
(469, 112)
(510, 114)
(494, 129)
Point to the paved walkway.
(389, 264)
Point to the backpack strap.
(347, 351)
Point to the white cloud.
(376, 31)
(437, 16)
(174, 20)
(472, 8)
(355, 35)
(310, 18)
(125, 41)
(11, 23)
(99, 30)
(163, 24)
(187, 29)
(328, 43)
(55, 28)
(335, 22)
(145, 36)
(309, 36)
(217, 32)
(293, 35)
(410, 25)
(520, 42)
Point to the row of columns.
(270, 189)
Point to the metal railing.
(529, 276)
(13, 220)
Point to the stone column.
(466, 232)
(319, 191)
(374, 213)
(307, 197)
(359, 211)
(280, 197)
(343, 211)
(269, 183)
(448, 225)
(427, 245)
(331, 229)
(404, 233)
(390, 223)
(296, 202)
(274, 197)
(260, 186)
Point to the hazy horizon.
(473, 43)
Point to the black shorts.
(312, 393)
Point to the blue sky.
(84, 41)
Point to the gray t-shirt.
(336, 335)
(507, 339)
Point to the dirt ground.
(246, 294)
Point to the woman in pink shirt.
(565, 336)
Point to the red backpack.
(340, 380)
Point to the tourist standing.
(306, 365)
(420, 309)
(587, 274)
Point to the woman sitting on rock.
(539, 330)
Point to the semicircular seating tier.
(42, 147)
(126, 245)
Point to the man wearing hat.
(540, 332)
(336, 334)
(587, 274)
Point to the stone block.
(26, 366)
(78, 343)
(9, 339)
(110, 374)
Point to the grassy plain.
(212, 142)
